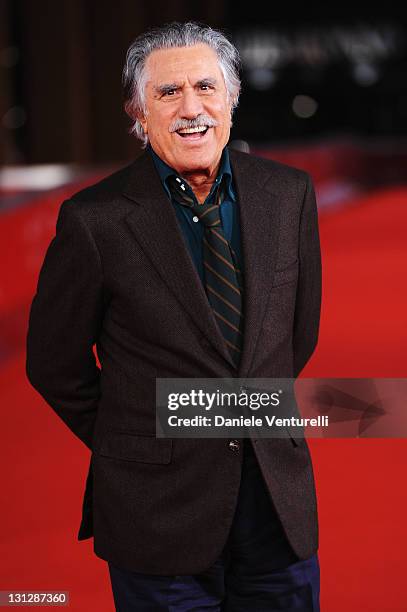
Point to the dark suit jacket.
(118, 274)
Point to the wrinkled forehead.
(180, 64)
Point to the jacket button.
(234, 445)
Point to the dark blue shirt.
(192, 231)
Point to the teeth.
(202, 128)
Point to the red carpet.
(361, 483)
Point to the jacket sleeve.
(64, 323)
(308, 300)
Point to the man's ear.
(142, 119)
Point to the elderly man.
(192, 262)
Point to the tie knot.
(207, 213)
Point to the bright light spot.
(45, 176)
(304, 107)
(365, 74)
(262, 78)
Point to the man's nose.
(191, 104)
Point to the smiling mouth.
(193, 133)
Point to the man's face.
(184, 84)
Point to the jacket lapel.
(154, 225)
(259, 226)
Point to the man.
(137, 269)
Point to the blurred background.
(308, 75)
(324, 90)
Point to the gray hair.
(174, 35)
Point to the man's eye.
(169, 92)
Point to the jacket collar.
(224, 173)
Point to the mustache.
(199, 121)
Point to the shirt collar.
(164, 171)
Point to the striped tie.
(223, 278)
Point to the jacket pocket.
(135, 447)
(286, 275)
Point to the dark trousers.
(257, 571)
